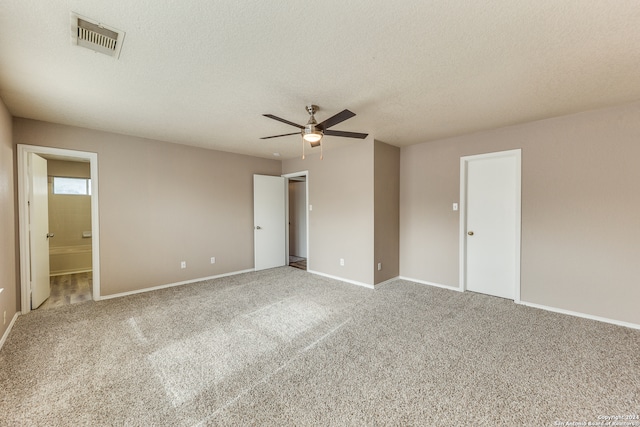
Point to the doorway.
(73, 261)
(298, 219)
(70, 269)
(490, 187)
(297, 188)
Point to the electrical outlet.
(213, 260)
(342, 262)
(379, 266)
(183, 264)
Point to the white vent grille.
(95, 36)
(107, 41)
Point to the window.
(74, 186)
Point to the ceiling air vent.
(93, 35)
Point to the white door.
(39, 230)
(269, 232)
(492, 230)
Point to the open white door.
(269, 232)
(492, 230)
(39, 230)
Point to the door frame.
(464, 162)
(306, 195)
(23, 216)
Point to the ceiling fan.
(313, 131)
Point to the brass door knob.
(470, 233)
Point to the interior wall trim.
(437, 285)
(6, 333)
(583, 315)
(393, 279)
(171, 285)
(538, 306)
(64, 273)
(342, 279)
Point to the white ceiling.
(202, 72)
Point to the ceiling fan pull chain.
(320, 151)
(302, 148)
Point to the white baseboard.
(65, 272)
(539, 306)
(393, 279)
(171, 285)
(583, 315)
(6, 333)
(423, 282)
(353, 282)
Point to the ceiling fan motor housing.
(311, 132)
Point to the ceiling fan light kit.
(313, 132)
(312, 136)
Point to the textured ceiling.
(202, 73)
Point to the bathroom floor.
(297, 262)
(69, 289)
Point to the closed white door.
(269, 221)
(39, 230)
(492, 230)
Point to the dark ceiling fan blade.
(278, 136)
(334, 120)
(271, 116)
(345, 134)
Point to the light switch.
(455, 206)
(310, 207)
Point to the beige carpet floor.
(285, 347)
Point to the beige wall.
(161, 204)
(580, 210)
(8, 266)
(341, 222)
(354, 192)
(386, 211)
(70, 169)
